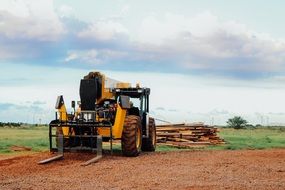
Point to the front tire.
(132, 136)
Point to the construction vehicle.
(108, 110)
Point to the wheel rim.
(138, 139)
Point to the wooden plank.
(186, 132)
(178, 140)
(171, 128)
(192, 143)
(171, 125)
(167, 134)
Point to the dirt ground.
(247, 169)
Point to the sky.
(203, 60)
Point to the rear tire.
(132, 136)
(149, 144)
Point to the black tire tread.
(128, 140)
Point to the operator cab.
(139, 102)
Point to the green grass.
(261, 138)
(34, 137)
(165, 148)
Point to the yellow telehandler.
(108, 110)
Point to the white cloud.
(71, 56)
(205, 42)
(65, 11)
(158, 31)
(104, 30)
(89, 56)
(25, 113)
(30, 19)
(125, 10)
(119, 16)
(95, 56)
(198, 43)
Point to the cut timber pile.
(188, 135)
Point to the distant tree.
(237, 122)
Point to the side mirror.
(124, 102)
(73, 104)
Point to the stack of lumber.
(188, 135)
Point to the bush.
(237, 122)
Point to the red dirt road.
(247, 169)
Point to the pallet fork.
(60, 151)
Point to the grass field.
(34, 137)
(261, 138)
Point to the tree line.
(10, 124)
(19, 124)
(238, 122)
